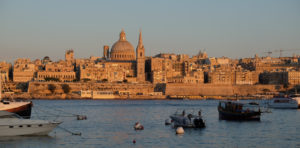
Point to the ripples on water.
(110, 124)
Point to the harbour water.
(110, 124)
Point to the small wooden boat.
(230, 110)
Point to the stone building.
(63, 71)
(220, 77)
(283, 77)
(69, 56)
(24, 70)
(293, 77)
(195, 77)
(120, 63)
(273, 77)
(4, 71)
(245, 77)
(66, 76)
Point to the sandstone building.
(5, 69)
(120, 63)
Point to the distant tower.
(106, 51)
(69, 56)
(140, 59)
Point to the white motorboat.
(283, 103)
(21, 108)
(13, 125)
(187, 120)
(296, 97)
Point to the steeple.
(140, 44)
(122, 36)
(140, 60)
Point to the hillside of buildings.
(127, 72)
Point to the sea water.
(110, 124)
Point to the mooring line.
(68, 131)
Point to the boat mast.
(1, 87)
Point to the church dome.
(122, 46)
(122, 49)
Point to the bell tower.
(140, 60)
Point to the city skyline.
(234, 29)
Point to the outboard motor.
(199, 122)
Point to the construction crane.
(280, 51)
(269, 53)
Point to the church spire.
(140, 44)
(140, 60)
(122, 36)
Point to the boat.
(232, 110)
(187, 120)
(297, 98)
(281, 102)
(97, 94)
(13, 125)
(103, 95)
(22, 108)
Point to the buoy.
(133, 141)
(167, 122)
(179, 130)
(138, 126)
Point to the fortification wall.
(43, 87)
(213, 90)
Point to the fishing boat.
(282, 102)
(13, 125)
(231, 110)
(22, 108)
(187, 120)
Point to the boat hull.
(23, 109)
(23, 130)
(285, 106)
(225, 115)
(297, 99)
(283, 103)
(182, 121)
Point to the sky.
(231, 28)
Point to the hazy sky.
(232, 28)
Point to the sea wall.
(217, 90)
(42, 90)
(55, 89)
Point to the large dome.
(122, 46)
(122, 50)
